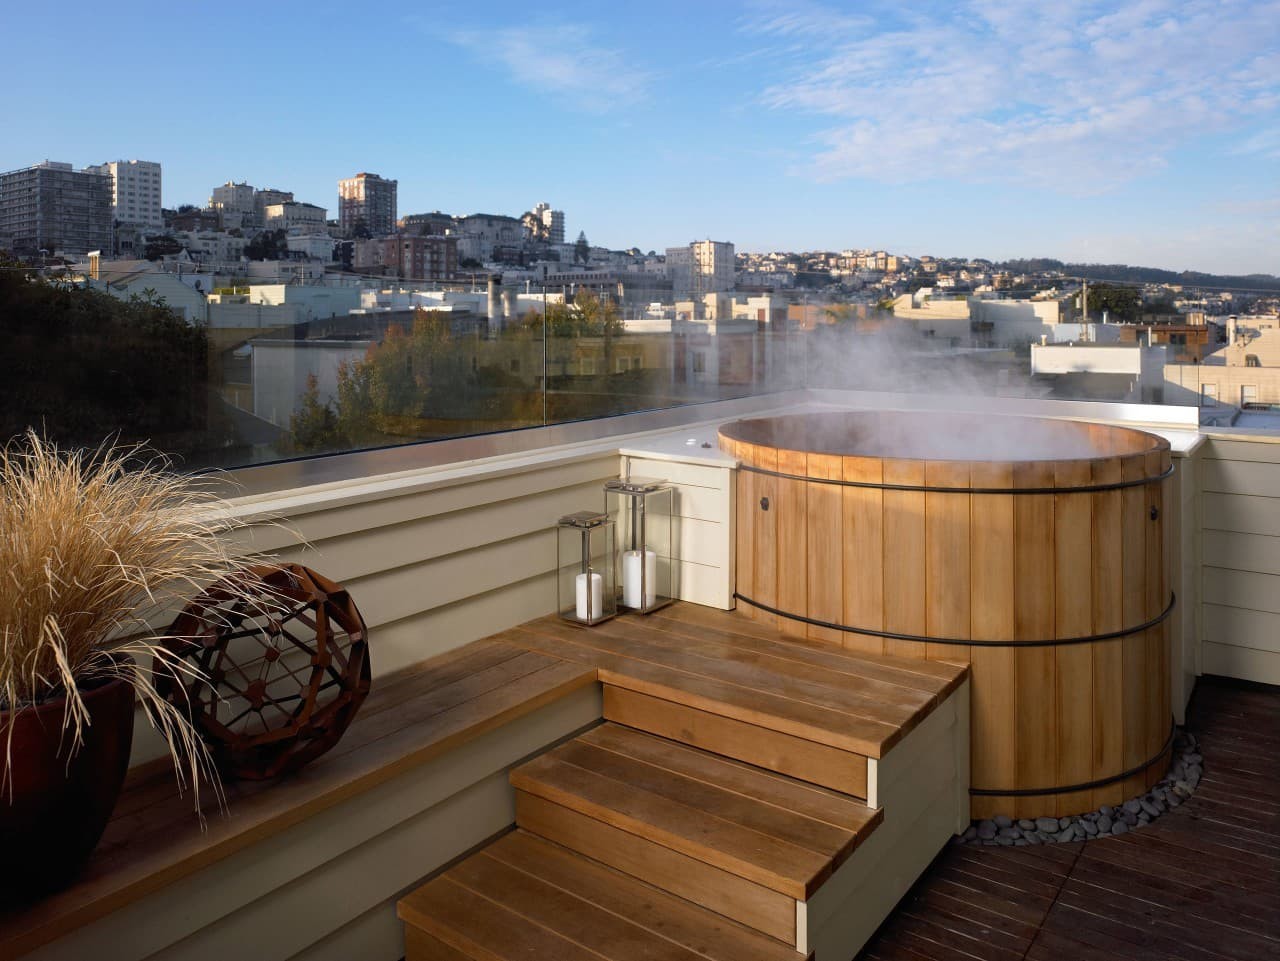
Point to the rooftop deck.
(1202, 882)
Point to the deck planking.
(730, 665)
(1202, 883)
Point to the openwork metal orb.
(282, 659)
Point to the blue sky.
(1142, 132)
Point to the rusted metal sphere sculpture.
(281, 665)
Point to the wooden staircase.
(723, 808)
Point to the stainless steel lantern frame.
(643, 510)
(585, 557)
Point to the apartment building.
(234, 204)
(292, 215)
(409, 256)
(367, 201)
(552, 222)
(703, 267)
(53, 207)
(269, 197)
(135, 191)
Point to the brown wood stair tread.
(525, 898)
(723, 663)
(782, 834)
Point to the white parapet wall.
(1240, 516)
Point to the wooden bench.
(159, 882)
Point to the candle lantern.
(643, 511)
(585, 568)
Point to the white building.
(479, 234)
(234, 203)
(316, 246)
(211, 246)
(292, 215)
(135, 191)
(552, 220)
(703, 267)
(266, 197)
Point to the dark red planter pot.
(58, 808)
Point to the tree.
(581, 249)
(160, 247)
(268, 245)
(314, 425)
(83, 366)
(1120, 303)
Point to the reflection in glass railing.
(249, 372)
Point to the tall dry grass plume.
(97, 548)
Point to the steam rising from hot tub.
(934, 437)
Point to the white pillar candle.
(631, 572)
(597, 596)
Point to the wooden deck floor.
(1201, 884)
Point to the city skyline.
(964, 131)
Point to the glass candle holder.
(643, 510)
(585, 578)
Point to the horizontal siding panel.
(351, 556)
(1241, 477)
(310, 519)
(427, 633)
(703, 542)
(1258, 630)
(1245, 663)
(692, 475)
(390, 595)
(1241, 512)
(702, 584)
(1256, 592)
(1257, 553)
(702, 503)
(1260, 451)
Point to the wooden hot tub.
(1035, 550)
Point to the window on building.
(1208, 395)
(1248, 394)
(699, 362)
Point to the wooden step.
(740, 840)
(718, 663)
(798, 757)
(522, 897)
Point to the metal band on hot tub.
(965, 641)
(1084, 785)
(926, 489)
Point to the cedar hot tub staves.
(1034, 550)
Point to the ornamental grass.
(98, 549)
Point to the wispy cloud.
(800, 19)
(565, 61)
(1080, 97)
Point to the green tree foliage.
(83, 366)
(314, 425)
(587, 315)
(268, 245)
(161, 247)
(1120, 303)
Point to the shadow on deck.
(1202, 882)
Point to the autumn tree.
(314, 425)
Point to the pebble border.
(1177, 786)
